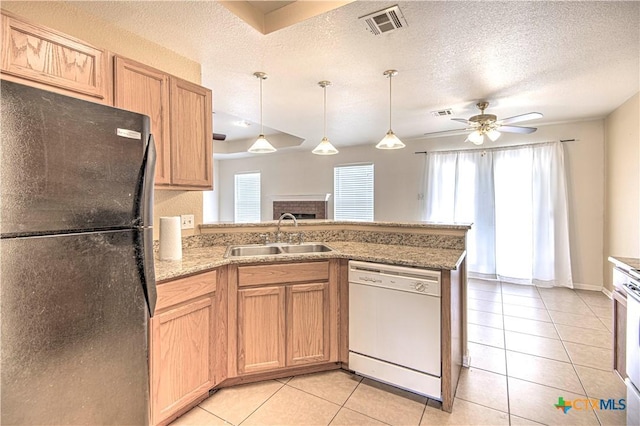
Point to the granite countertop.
(324, 222)
(196, 260)
(625, 263)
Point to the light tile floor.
(528, 347)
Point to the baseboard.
(607, 293)
(466, 361)
(591, 287)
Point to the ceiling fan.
(489, 125)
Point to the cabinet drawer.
(283, 273)
(174, 292)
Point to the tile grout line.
(573, 366)
(506, 364)
(264, 402)
(206, 411)
(345, 401)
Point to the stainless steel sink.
(252, 251)
(306, 248)
(276, 249)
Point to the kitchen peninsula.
(222, 320)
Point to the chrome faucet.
(295, 222)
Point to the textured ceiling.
(268, 6)
(567, 60)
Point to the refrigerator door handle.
(148, 181)
(144, 205)
(148, 271)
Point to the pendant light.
(261, 145)
(390, 141)
(325, 147)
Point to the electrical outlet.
(187, 221)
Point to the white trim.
(592, 287)
(466, 361)
(302, 197)
(607, 293)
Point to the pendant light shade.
(390, 140)
(261, 145)
(325, 147)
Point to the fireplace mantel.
(301, 197)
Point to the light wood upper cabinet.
(50, 60)
(181, 122)
(145, 90)
(261, 329)
(191, 135)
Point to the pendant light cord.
(390, 78)
(325, 110)
(261, 124)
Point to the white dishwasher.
(394, 326)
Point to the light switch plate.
(187, 221)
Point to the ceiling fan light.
(493, 134)
(390, 141)
(476, 137)
(261, 146)
(325, 148)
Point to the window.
(247, 197)
(516, 198)
(353, 189)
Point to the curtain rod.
(509, 146)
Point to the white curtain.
(517, 200)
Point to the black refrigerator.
(76, 260)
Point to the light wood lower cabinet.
(182, 344)
(307, 327)
(290, 320)
(261, 329)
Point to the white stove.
(633, 350)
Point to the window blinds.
(247, 197)
(353, 192)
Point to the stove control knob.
(420, 287)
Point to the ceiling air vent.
(384, 21)
(442, 113)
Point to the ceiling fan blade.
(521, 117)
(219, 136)
(517, 129)
(449, 132)
(461, 120)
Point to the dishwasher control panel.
(400, 278)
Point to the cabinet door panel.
(261, 337)
(181, 357)
(308, 323)
(52, 58)
(191, 135)
(144, 90)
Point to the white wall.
(398, 175)
(622, 214)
